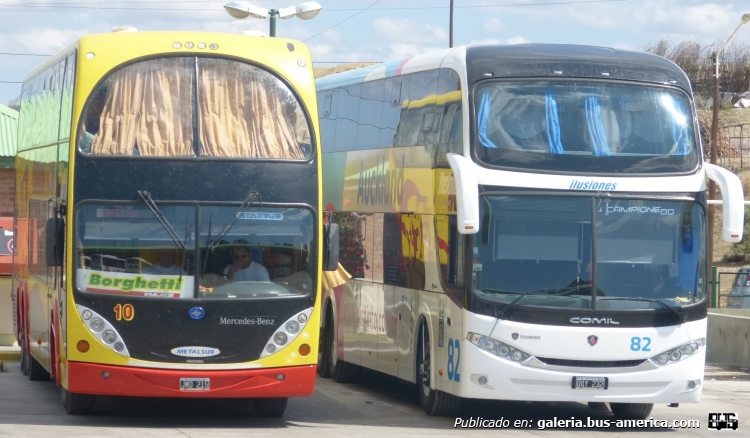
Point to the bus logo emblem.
(197, 312)
(514, 336)
(593, 339)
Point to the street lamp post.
(714, 134)
(243, 9)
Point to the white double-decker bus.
(521, 223)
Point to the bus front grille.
(591, 363)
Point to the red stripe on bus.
(86, 378)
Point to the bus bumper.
(507, 380)
(88, 378)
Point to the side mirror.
(733, 220)
(55, 241)
(467, 194)
(330, 247)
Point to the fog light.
(82, 346)
(109, 336)
(482, 380)
(691, 385)
(304, 350)
(280, 377)
(280, 338)
(97, 324)
(105, 374)
(292, 327)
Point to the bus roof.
(525, 60)
(162, 41)
(566, 60)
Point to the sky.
(371, 30)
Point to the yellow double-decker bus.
(167, 219)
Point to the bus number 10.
(126, 312)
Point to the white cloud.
(43, 41)
(409, 31)
(517, 40)
(492, 26)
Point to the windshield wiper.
(146, 197)
(249, 199)
(501, 313)
(679, 314)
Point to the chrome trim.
(533, 362)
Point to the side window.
(403, 251)
(347, 110)
(418, 111)
(352, 255)
(451, 250)
(370, 115)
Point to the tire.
(434, 402)
(270, 407)
(77, 404)
(631, 411)
(35, 370)
(324, 350)
(341, 372)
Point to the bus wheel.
(270, 407)
(77, 404)
(324, 354)
(35, 370)
(434, 402)
(341, 372)
(631, 411)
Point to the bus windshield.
(128, 250)
(151, 109)
(641, 251)
(584, 126)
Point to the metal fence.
(739, 140)
(731, 292)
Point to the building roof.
(8, 131)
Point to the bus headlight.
(288, 332)
(102, 330)
(678, 354)
(498, 348)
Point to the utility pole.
(450, 31)
(714, 153)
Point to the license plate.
(195, 384)
(590, 382)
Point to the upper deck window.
(584, 126)
(157, 108)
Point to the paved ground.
(382, 407)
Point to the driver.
(243, 268)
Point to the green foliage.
(741, 249)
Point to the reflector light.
(176, 45)
(188, 45)
(82, 346)
(304, 350)
(201, 45)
